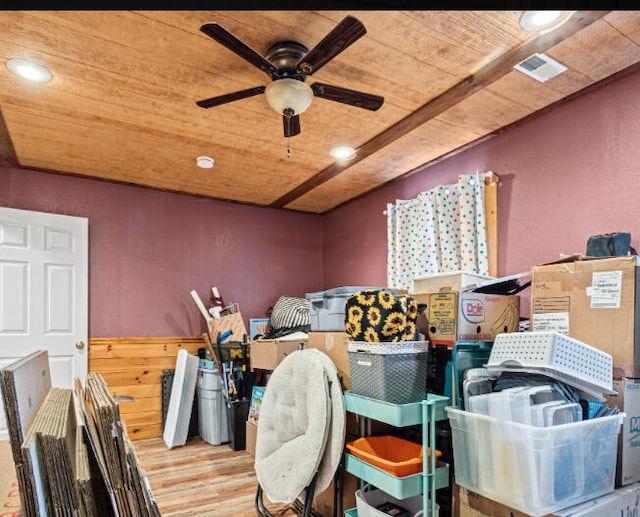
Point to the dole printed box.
(454, 316)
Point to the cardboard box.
(593, 301)
(448, 281)
(628, 401)
(334, 344)
(251, 433)
(232, 322)
(266, 354)
(323, 503)
(621, 502)
(457, 316)
(471, 504)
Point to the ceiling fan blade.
(224, 37)
(291, 125)
(230, 97)
(363, 100)
(344, 34)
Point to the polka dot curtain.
(442, 230)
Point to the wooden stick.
(207, 341)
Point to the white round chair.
(301, 430)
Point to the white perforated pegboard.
(550, 351)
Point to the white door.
(44, 293)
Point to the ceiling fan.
(288, 63)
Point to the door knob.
(79, 345)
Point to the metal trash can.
(212, 413)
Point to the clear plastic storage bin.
(326, 310)
(537, 470)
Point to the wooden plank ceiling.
(121, 106)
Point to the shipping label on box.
(593, 301)
(443, 311)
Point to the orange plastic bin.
(396, 456)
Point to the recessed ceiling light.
(205, 162)
(29, 70)
(536, 21)
(343, 152)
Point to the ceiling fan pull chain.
(288, 147)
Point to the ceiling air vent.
(541, 67)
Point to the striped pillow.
(289, 312)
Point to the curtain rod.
(490, 177)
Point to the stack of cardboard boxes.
(266, 354)
(596, 302)
(455, 312)
(328, 335)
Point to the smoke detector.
(541, 67)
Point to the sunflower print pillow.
(380, 316)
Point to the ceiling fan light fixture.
(29, 70)
(538, 21)
(287, 93)
(343, 152)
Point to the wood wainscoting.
(133, 367)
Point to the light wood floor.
(201, 479)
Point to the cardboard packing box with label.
(593, 301)
(454, 316)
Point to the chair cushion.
(297, 435)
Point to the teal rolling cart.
(426, 413)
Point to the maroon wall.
(149, 249)
(565, 175)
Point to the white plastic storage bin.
(391, 372)
(537, 470)
(558, 356)
(326, 310)
(366, 502)
(454, 281)
(212, 412)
